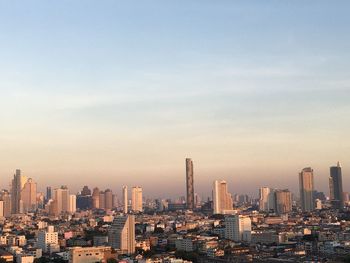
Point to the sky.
(111, 93)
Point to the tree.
(112, 260)
(2, 260)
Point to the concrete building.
(61, 200)
(17, 185)
(29, 196)
(125, 199)
(283, 201)
(267, 199)
(238, 228)
(90, 254)
(48, 240)
(189, 184)
(306, 188)
(136, 199)
(96, 198)
(222, 200)
(121, 234)
(72, 204)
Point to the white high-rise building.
(48, 240)
(125, 199)
(222, 199)
(238, 228)
(121, 234)
(72, 203)
(306, 187)
(136, 199)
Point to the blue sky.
(120, 92)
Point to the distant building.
(72, 203)
(96, 198)
(61, 200)
(283, 201)
(125, 199)
(29, 195)
(136, 199)
(266, 201)
(336, 186)
(121, 234)
(222, 199)
(5, 197)
(306, 188)
(17, 185)
(238, 228)
(189, 184)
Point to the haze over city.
(109, 93)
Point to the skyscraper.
(125, 199)
(96, 198)
(336, 186)
(121, 234)
(283, 201)
(189, 184)
(61, 200)
(222, 199)
(48, 193)
(108, 199)
(29, 196)
(136, 199)
(18, 182)
(306, 187)
(72, 203)
(6, 198)
(265, 199)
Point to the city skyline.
(119, 188)
(113, 90)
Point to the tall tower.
(28, 196)
(306, 187)
(121, 234)
(222, 199)
(283, 201)
(265, 199)
(96, 198)
(18, 182)
(336, 186)
(189, 184)
(136, 199)
(125, 199)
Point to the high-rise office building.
(125, 199)
(48, 193)
(96, 198)
(336, 186)
(306, 187)
(121, 235)
(283, 201)
(61, 200)
(17, 185)
(29, 196)
(6, 198)
(72, 204)
(238, 228)
(108, 199)
(136, 199)
(102, 199)
(189, 184)
(222, 199)
(266, 199)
